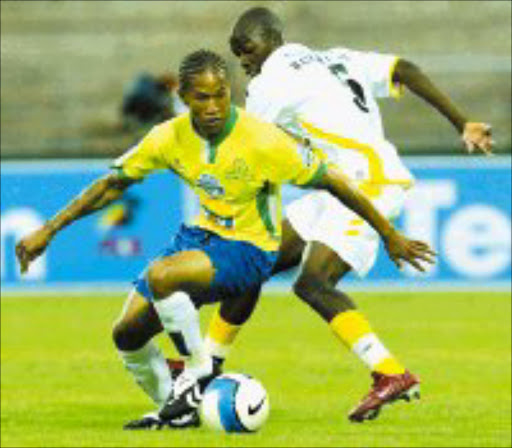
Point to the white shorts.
(319, 216)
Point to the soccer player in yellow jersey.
(236, 164)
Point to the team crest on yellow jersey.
(211, 185)
(238, 171)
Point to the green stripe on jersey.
(266, 204)
(228, 127)
(317, 177)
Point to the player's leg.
(226, 271)
(178, 284)
(339, 241)
(290, 249)
(320, 272)
(225, 325)
(137, 323)
(227, 322)
(132, 333)
(316, 285)
(165, 301)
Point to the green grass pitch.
(62, 383)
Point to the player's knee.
(159, 280)
(308, 287)
(126, 337)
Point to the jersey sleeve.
(287, 161)
(148, 155)
(378, 68)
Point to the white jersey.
(329, 97)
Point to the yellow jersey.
(237, 177)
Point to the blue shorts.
(239, 266)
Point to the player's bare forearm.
(95, 197)
(410, 75)
(475, 135)
(341, 187)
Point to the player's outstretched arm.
(474, 135)
(99, 194)
(400, 249)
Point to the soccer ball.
(234, 402)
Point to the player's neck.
(216, 138)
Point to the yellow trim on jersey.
(373, 186)
(396, 90)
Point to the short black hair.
(198, 62)
(261, 19)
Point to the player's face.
(252, 50)
(209, 101)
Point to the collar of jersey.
(228, 127)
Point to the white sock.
(180, 320)
(216, 350)
(370, 350)
(150, 370)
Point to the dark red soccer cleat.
(386, 389)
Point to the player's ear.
(229, 92)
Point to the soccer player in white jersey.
(329, 99)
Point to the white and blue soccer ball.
(235, 402)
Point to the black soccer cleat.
(184, 398)
(176, 367)
(217, 370)
(152, 421)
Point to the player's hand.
(33, 245)
(401, 249)
(478, 136)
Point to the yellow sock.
(220, 336)
(356, 333)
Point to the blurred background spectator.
(149, 100)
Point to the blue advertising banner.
(111, 245)
(461, 206)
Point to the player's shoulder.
(283, 57)
(279, 65)
(292, 50)
(355, 55)
(167, 131)
(178, 122)
(175, 124)
(250, 123)
(342, 53)
(260, 133)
